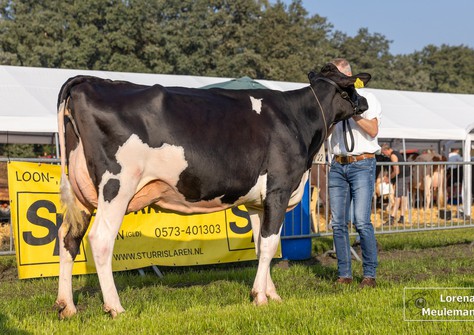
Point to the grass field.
(215, 299)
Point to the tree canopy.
(225, 38)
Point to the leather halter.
(344, 94)
(345, 123)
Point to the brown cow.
(430, 178)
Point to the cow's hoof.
(65, 311)
(274, 296)
(114, 312)
(259, 299)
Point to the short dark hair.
(385, 146)
(343, 64)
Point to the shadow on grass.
(196, 276)
(323, 267)
(5, 330)
(201, 275)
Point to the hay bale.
(4, 182)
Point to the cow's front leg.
(271, 289)
(263, 285)
(266, 238)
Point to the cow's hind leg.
(427, 192)
(69, 244)
(266, 247)
(114, 197)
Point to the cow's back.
(217, 140)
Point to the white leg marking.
(266, 248)
(140, 164)
(65, 299)
(256, 104)
(102, 237)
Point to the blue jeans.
(353, 182)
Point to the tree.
(214, 38)
(367, 53)
(291, 43)
(406, 74)
(209, 37)
(451, 69)
(17, 150)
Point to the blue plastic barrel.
(297, 222)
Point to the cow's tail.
(72, 218)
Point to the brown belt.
(352, 159)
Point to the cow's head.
(346, 101)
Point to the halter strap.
(332, 82)
(345, 123)
(343, 93)
(322, 112)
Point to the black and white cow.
(188, 150)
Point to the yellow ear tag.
(359, 83)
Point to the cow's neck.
(321, 106)
(314, 118)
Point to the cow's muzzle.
(358, 103)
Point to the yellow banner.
(146, 238)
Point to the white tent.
(428, 116)
(425, 116)
(29, 95)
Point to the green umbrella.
(243, 83)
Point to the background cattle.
(429, 180)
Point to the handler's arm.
(371, 126)
(395, 168)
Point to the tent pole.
(467, 180)
(404, 149)
(56, 140)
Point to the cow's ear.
(363, 77)
(329, 68)
(311, 75)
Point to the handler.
(351, 179)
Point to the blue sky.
(409, 24)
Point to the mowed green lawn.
(215, 299)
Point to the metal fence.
(438, 194)
(7, 246)
(428, 208)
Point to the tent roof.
(237, 84)
(424, 115)
(29, 96)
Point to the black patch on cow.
(73, 243)
(111, 189)
(72, 141)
